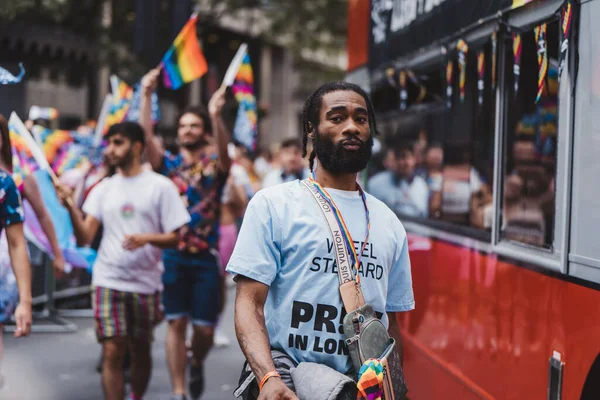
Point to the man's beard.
(337, 160)
(196, 144)
(125, 162)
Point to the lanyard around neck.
(342, 224)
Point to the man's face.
(343, 140)
(291, 160)
(191, 131)
(119, 151)
(405, 163)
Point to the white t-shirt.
(286, 244)
(456, 195)
(145, 203)
(405, 198)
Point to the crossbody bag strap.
(350, 291)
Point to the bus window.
(531, 139)
(461, 190)
(437, 162)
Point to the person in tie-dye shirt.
(193, 282)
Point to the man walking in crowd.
(141, 213)
(292, 165)
(193, 277)
(287, 282)
(400, 188)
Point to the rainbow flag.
(184, 61)
(65, 150)
(245, 130)
(74, 156)
(24, 163)
(52, 141)
(121, 101)
(19, 170)
(120, 89)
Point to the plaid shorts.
(120, 314)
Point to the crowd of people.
(165, 225)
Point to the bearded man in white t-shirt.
(141, 213)
(288, 296)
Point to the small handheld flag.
(463, 49)
(234, 67)
(542, 57)
(480, 76)
(16, 125)
(565, 27)
(449, 77)
(517, 47)
(184, 61)
(245, 129)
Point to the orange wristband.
(267, 376)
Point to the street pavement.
(61, 366)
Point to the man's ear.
(310, 130)
(140, 147)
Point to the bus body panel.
(485, 327)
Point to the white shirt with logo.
(145, 203)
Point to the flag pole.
(234, 67)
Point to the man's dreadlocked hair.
(311, 113)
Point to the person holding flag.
(193, 281)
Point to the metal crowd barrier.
(47, 291)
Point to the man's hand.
(216, 103)
(150, 81)
(275, 389)
(23, 318)
(134, 242)
(64, 193)
(59, 265)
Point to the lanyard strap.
(350, 291)
(342, 224)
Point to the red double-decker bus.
(489, 152)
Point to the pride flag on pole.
(79, 257)
(52, 141)
(22, 141)
(245, 130)
(184, 61)
(121, 101)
